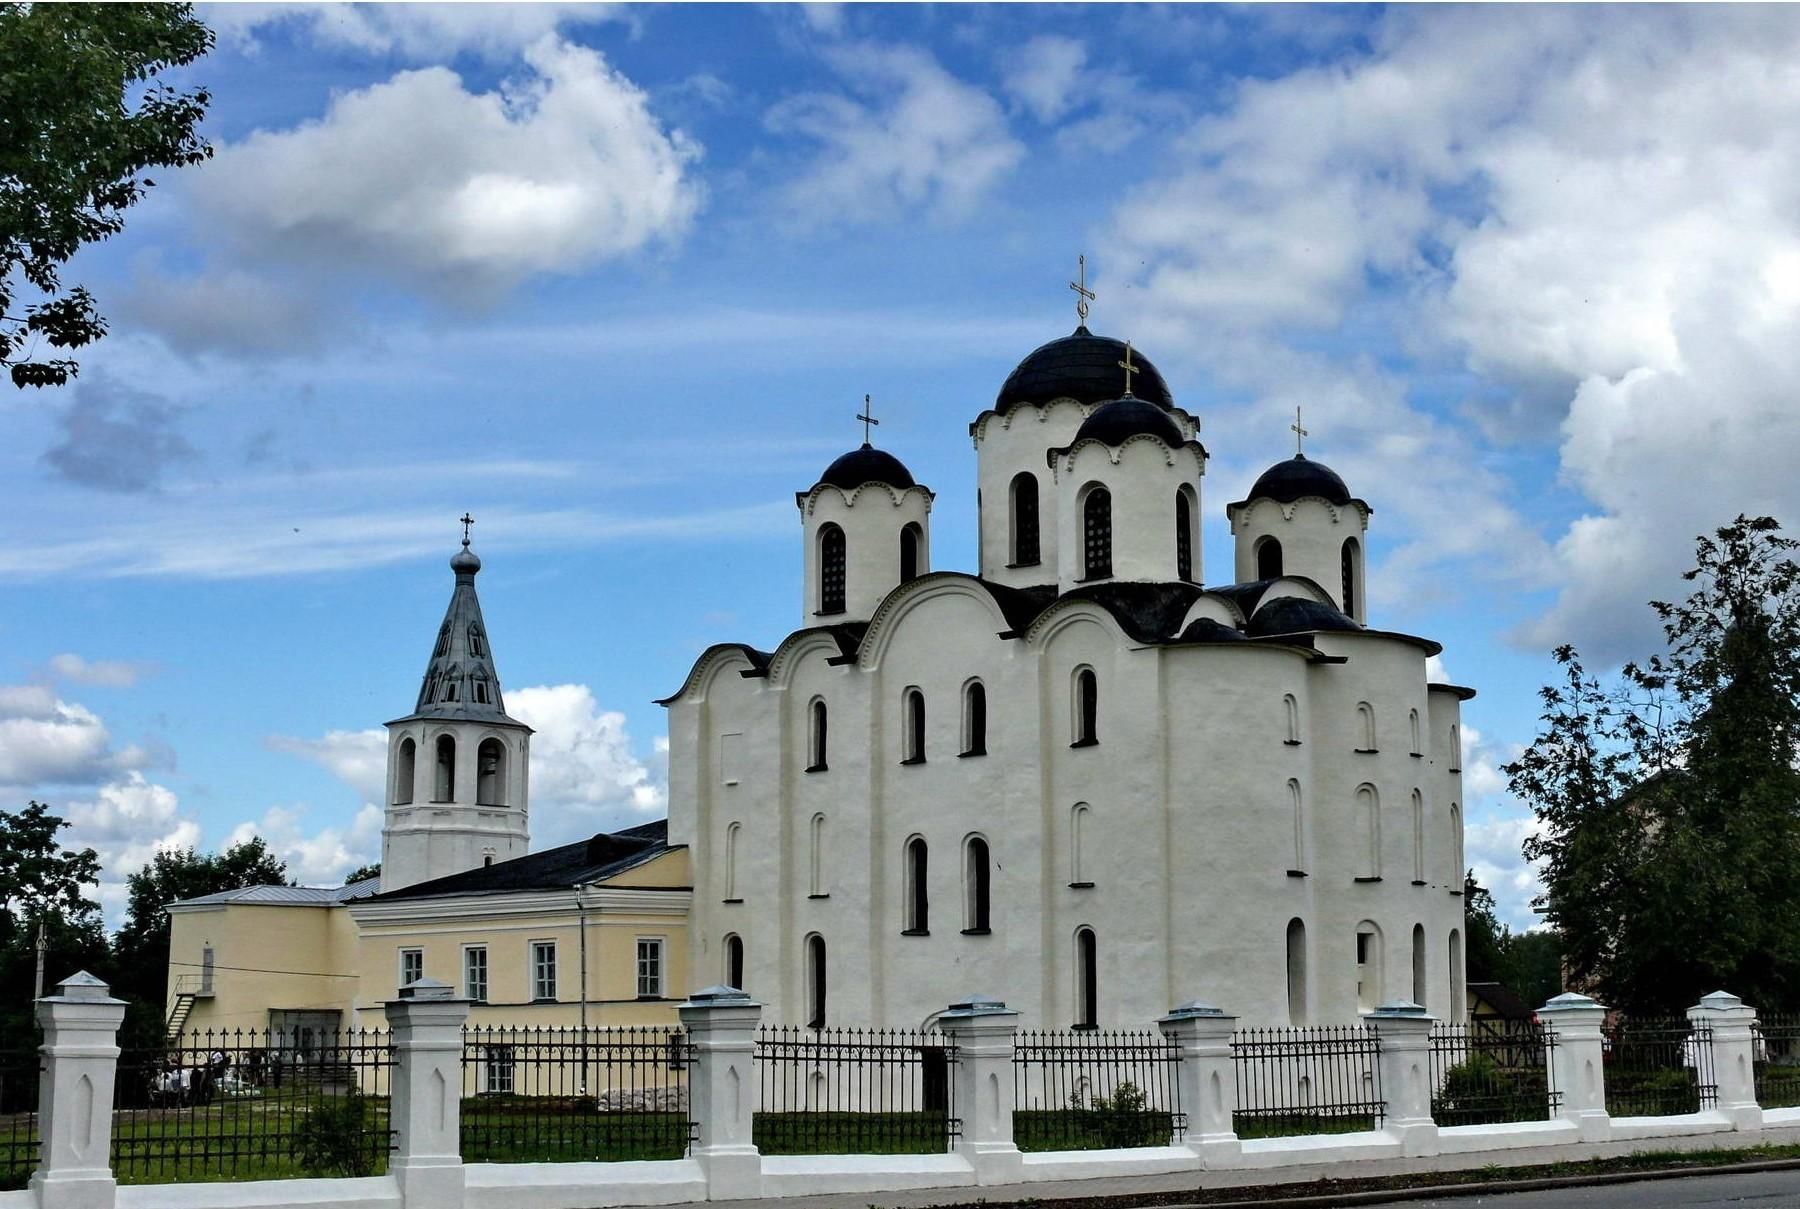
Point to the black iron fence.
(1777, 1054)
(563, 1095)
(1489, 1072)
(19, 1071)
(854, 1091)
(253, 1104)
(1083, 1089)
(1658, 1066)
(1296, 1081)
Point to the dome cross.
(465, 522)
(867, 416)
(1083, 295)
(1128, 367)
(1300, 434)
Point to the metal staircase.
(188, 988)
(178, 1013)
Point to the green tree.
(1670, 802)
(82, 116)
(142, 944)
(1527, 963)
(41, 882)
(363, 872)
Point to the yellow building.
(593, 932)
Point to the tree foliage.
(1527, 963)
(41, 882)
(82, 116)
(1669, 799)
(362, 873)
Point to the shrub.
(334, 1137)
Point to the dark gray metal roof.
(1083, 367)
(597, 857)
(867, 465)
(1129, 417)
(1298, 477)
(461, 681)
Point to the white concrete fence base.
(426, 1170)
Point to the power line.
(258, 970)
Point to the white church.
(1078, 780)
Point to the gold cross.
(1300, 434)
(467, 520)
(1128, 367)
(1083, 295)
(867, 416)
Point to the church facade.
(1078, 779)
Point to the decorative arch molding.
(1043, 413)
(790, 657)
(1067, 612)
(1293, 587)
(809, 500)
(1214, 607)
(1063, 460)
(900, 602)
(1243, 510)
(714, 661)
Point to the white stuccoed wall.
(426, 839)
(871, 517)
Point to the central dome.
(1129, 417)
(1083, 367)
(1297, 477)
(867, 465)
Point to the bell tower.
(458, 766)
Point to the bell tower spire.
(458, 764)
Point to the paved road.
(1755, 1190)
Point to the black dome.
(867, 465)
(1297, 615)
(1206, 629)
(1287, 481)
(1084, 367)
(1129, 417)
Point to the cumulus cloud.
(553, 172)
(412, 31)
(913, 137)
(116, 438)
(45, 740)
(358, 758)
(127, 822)
(229, 311)
(315, 856)
(1042, 74)
(585, 776)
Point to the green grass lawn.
(1299, 1124)
(1651, 1093)
(522, 1129)
(1090, 1128)
(1778, 1086)
(283, 1137)
(851, 1132)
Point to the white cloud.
(358, 758)
(412, 31)
(585, 777)
(107, 673)
(126, 823)
(1042, 74)
(45, 740)
(321, 857)
(553, 172)
(913, 138)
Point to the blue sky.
(616, 279)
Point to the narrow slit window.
(1351, 556)
(1025, 551)
(1296, 972)
(912, 553)
(734, 961)
(832, 559)
(1184, 536)
(815, 981)
(977, 886)
(820, 734)
(1097, 534)
(975, 719)
(918, 890)
(1087, 979)
(1087, 708)
(913, 746)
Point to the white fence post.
(721, 1023)
(1578, 1063)
(1405, 1032)
(1207, 1084)
(75, 1095)
(426, 1109)
(983, 1031)
(1733, 1024)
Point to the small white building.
(1078, 780)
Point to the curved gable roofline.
(1066, 611)
(1198, 609)
(840, 640)
(1237, 508)
(805, 500)
(711, 660)
(978, 426)
(908, 596)
(1063, 457)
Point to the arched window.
(734, 961)
(1368, 828)
(1087, 708)
(913, 743)
(443, 785)
(816, 865)
(1456, 749)
(1078, 819)
(918, 890)
(490, 773)
(1025, 520)
(976, 875)
(447, 686)
(1297, 803)
(1459, 998)
(816, 740)
(1365, 726)
(477, 646)
(1184, 535)
(1296, 972)
(1268, 558)
(974, 719)
(1412, 725)
(1096, 534)
(1418, 832)
(481, 690)
(1291, 708)
(731, 860)
(405, 772)
(831, 569)
(815, 981)
(1349, 559)
(1368, 967)
(1418, 964)
(912, 552)
(1456, 847)
(1087, 979)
